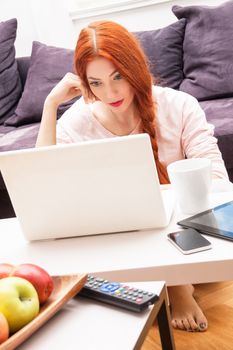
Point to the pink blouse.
(182, 132)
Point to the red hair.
(113, 42)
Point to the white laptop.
(87, 188)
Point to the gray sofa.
(194, 54)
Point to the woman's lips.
(117, 103)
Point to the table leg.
(160, 312)
(164, 323)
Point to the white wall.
(150, 17)
(26, 31)
(49, 21)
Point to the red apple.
(5, 270)
(38, 277)
(4, 328)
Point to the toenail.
(202, 325)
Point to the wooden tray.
(65, 288)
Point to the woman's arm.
(198, 137)
(68, 88)
(47, 131)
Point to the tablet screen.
(217, 221)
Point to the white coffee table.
(86, 324)
(132, 256)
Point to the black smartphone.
(189, 241)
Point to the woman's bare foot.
(186, 314)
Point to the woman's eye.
(95, 83)
(118, 76)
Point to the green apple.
(19, 302)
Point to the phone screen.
(189, 241)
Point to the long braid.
(149, 126)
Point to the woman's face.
(108, 85)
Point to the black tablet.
(217, 222)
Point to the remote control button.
(99, 279)
(117, 292)
(125, 291)
(110, 287)
(138, 300)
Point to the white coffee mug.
(191, 181)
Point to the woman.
(118, 98)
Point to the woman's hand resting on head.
(69, 87)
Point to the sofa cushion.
(4, 130)
(219, 113)
(10, 87)
(164, 49)
(208, 50)
(19, 138)
(12, 138)
(48, 65)
(23, 66)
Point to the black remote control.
(117, 294)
